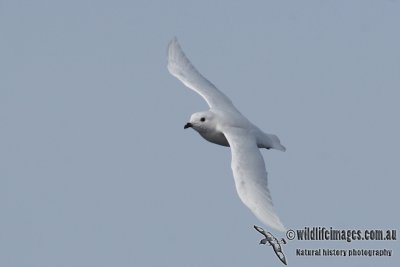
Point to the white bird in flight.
(224, 125)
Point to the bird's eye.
(203, 119)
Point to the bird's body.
(216, 136)
(224, 125)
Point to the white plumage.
(223, 124)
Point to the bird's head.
(263, 241)
(202, 121)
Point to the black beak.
(187, 125)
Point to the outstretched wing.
(260, 230)
(251, 177)
(180, 67)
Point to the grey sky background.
(96, 169)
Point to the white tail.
(272, 141)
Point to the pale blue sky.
(96, 169)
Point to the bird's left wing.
(250, 176)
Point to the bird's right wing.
(251, 177)
(180, 67)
